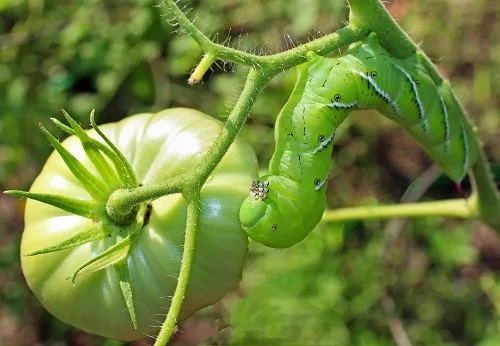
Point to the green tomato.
(158, 146)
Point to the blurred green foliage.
(338, 286)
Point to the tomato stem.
(193, 216)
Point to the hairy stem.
(255, 82)
(275, 62)
(193, 217)
(264, 69)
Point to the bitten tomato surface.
(157, 146)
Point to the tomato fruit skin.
(157, 146)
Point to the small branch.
(275, 63)
(395, 324)
(203, 66)
(459, 208)
(193, 217)
(205, 43)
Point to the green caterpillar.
(284, 206)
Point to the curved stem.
(459, 208)
(193, 217)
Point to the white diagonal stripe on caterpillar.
(337, 104)
(325, 143)
(380, 91)
(414, 87)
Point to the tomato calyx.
(111, 172)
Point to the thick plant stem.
(459, 208)
(193, 217)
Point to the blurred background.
(430, 281)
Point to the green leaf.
(93, 233)
(88, 180)
(85, 208)
(126, 288)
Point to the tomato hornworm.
(284, 206)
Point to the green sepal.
(85, 208)
(124, 165)
(103, 166)
(63, 127)
(95, 232)
(88, 180)
(110, 153)
(112, 255)
(126, 288)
